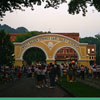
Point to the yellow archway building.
(50, 44)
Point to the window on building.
(67, 50)
(63, 51)
(91, 57)
(71, 50)
(88, 51)
(92, 51)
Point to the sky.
(55, 20)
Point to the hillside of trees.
(9, 29)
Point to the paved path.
(25, 88)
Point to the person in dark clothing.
(52, 75)
(58, 71)
(87, 71)
(82, 72)
(74, 71)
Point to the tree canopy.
(34, 55)
(6, 49)
(27, 35)
(9, 29)
(75, 6)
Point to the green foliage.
(10, 5)
(79, 89)
(21, 38)
(6, 49)
(98, 49)
(75, 6)
(21, 30)
(9, 29)
(97, 36)
(33, 55)
(89, 40)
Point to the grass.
(80, 89)
(97, 81)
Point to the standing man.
(52, 75)
(82, 72)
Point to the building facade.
(91, 51)
(68, 53)
(13, 36)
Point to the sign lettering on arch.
(51, 38)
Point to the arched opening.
(34, 54)
(66, 54)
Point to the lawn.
(97, 81)
(79, 89)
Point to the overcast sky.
(55, 20)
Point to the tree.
(75, 6)
(34, 55)
(6, 49)
(21, 38)
(97, 36)
(89, 40)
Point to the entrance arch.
(33, 47)
(33, 54)
(69, 47)
(50, 44)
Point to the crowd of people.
(44, 75)
(95, 72)
(10, 74)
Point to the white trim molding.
(18, 60)
(84, 60)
